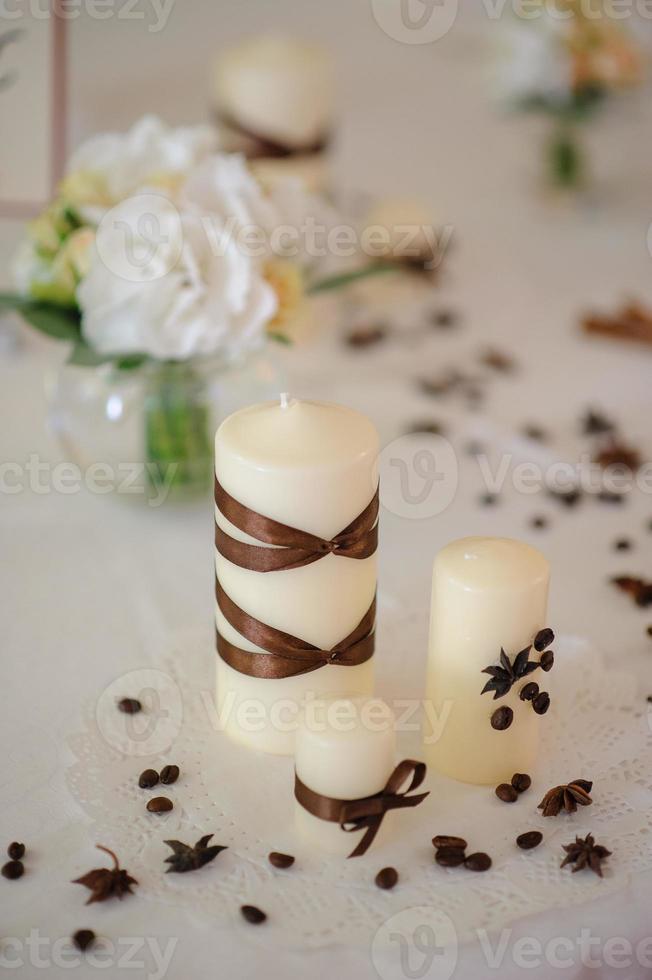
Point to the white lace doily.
(595, 729)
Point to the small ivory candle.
(311, 466)
(487, 593)
(345, 749)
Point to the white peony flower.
(537, 62)
(108, 167)
(158, 285)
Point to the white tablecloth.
(84, 575)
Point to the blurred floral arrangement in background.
(565, 61)
(145, 260)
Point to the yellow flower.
(51, 227)
(57, 281)
(84, 187)
(287, 282)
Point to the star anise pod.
(585, 853)
(106, 882)
(187, 858)
(637, 588)
(508, 673)
(566, 797)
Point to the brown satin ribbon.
(265, 146)
(366, 813)
(293, 548)
(287, 655)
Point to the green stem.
(565, 159)
(178, 440)
(346, 278)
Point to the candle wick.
(285, 399)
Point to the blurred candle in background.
(273, 101)
(487, 594)
(311, 466)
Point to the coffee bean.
(502, 718)
(521, 781)
(16, 851)
(547, 660)
(83, 938)
(543, 639)
(530, 839)
(13, 870)
(169, 775)
(449, 857)
(506, 793)
(160, 804)
(386, 878)
(445, 840)
(539, 523)
(622, 544)
(529, 691)
(478, 862)
(148, 778)
(130, 706)
(252, 914)
(280, 860)
(541, 703)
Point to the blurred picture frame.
(33, 75)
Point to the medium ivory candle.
(345, 749)
(310, 466)
(487, 594)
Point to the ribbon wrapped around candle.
(287, 655)
(368, 812)
(292, 548)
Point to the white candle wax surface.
(311, 466)
(487, 593)
(345, 749)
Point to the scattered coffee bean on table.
(502, 718)
(148, 778)
(252, 914)
(280, 860)
(506, 793)
(478, 862)
(521, 781)
(386, 878)
(649, 631)
(160, 804)
(83, 938)
(530, 839)
(529, 691)
(541, 703)
(622, 544)
(16, 851)
(130, 706)
(446, 840)
(13, 870)
(449, 857)
(539, 523)
(169, 775)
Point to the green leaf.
(55, 321)
(11, 301)
(345, 278)
(280, 338)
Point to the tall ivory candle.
(346, 749)
(311, 466)
(487, 594)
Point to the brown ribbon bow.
(265, 146)
(287, 655)
(368, 812)
(293, 548)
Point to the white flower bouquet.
(565, 60)
(158, 250)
